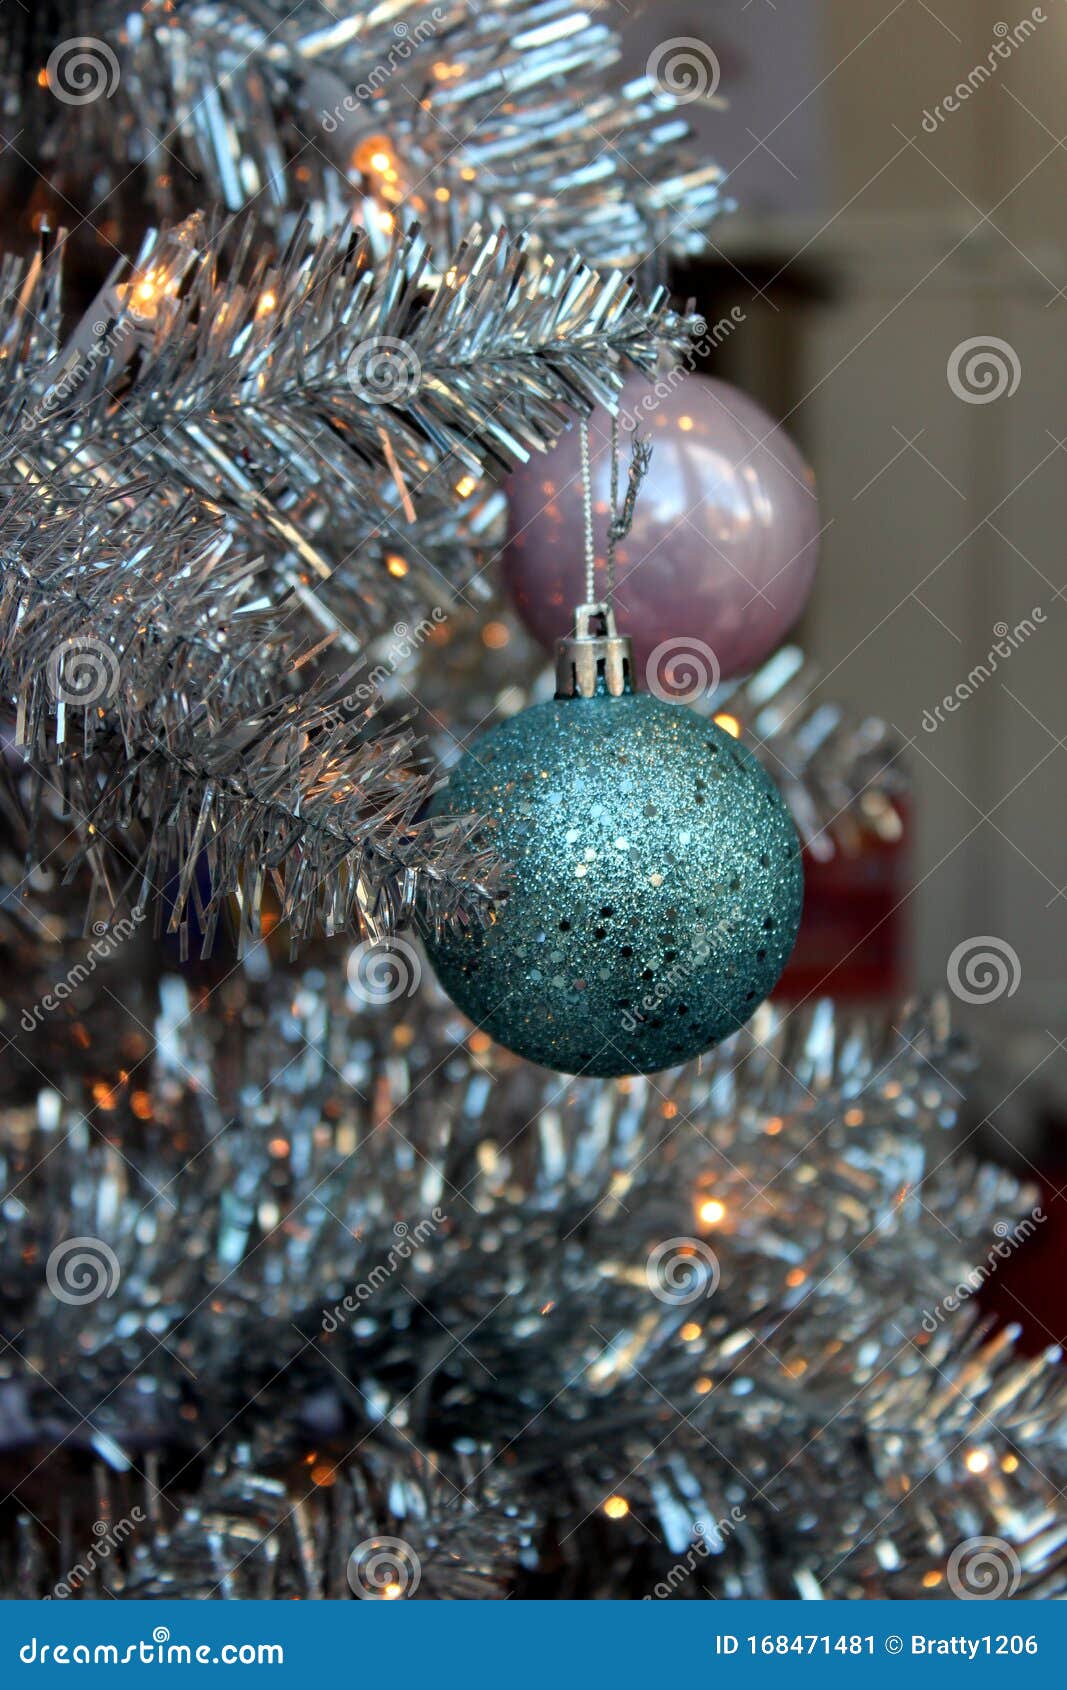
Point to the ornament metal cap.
(596, 658)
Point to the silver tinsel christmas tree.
(305, 1288)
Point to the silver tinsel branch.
(321, 402)
(161, 739)
(841, 778)
(655, 1318)
(461, 112)
(190, 484)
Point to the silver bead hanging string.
(587, 507)
(609, 590)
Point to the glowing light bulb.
(373, 154)
(729, 724)
(616, 1507)
(711, 1212)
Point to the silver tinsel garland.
(461, 112)
(376, 1243)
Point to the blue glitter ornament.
(655, 888)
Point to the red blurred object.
(1027, 1288)
(852, 940)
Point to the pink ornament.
(725, 536)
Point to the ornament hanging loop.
(596, 658)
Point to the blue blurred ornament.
(655, 888)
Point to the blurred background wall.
(878, 229)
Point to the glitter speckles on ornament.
(655, 890)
